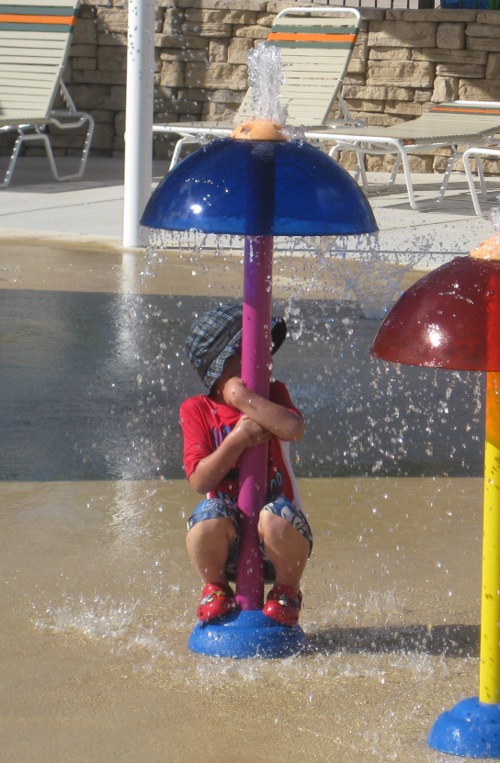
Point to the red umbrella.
(451, 319)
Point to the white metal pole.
(138, 118)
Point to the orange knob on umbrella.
(259, 129)
(488, 249)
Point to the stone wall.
(403, 61)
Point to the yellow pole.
(489, 670)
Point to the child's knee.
(275, 529)
(211, 526)
(271, 523)
(281, 517)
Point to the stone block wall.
(403, 61)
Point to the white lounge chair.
(34, 42)
(445, 125)
(316, 44)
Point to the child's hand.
(253, 431)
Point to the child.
(217, 428)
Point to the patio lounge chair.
(477, 152)
(34, 44)
(450, 125)
(316, 44)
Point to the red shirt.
(205, 423)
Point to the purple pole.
(256, 373)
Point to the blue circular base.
(247, 634)
(470, 729)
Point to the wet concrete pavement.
(98, 595)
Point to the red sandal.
(216, 601)
(283, 604)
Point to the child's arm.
(212, 469)
(279, 421)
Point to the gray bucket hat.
(216, 335)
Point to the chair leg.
(395, 169)
(83, 118)
(12, 161)
(403, 157)
(360, 174)
(38, 136)
(470, 179)
(449, 166)
(178, 149)
(480, 175)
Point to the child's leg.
(209, 543)
(287, 540)
(212, 532)
(286, 549)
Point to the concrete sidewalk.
(35, 206)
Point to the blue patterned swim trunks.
(213, 508)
